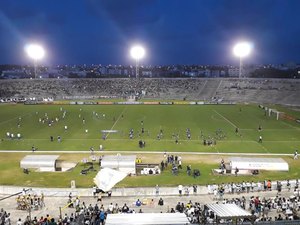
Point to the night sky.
(172, 31)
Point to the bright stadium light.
(35, 52)
(137, 52)
(242, 50)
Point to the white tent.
(123, 163)
(107, 178)
(40, 162)
(244, 163)
(147, 219)
(228, 211)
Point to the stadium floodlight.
(242, 50)
(35, 52)
(137, 52)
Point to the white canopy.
(107, 178)
(147, 219)
(124, 163)
(228, 211)
(244, 163)
(41, 162)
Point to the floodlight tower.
(242, 50)
(35, 52)
(137, 52)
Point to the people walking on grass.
(259, 128)
(92, 150)
(296, 155)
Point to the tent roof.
(147, 219)
(39, 161)
(226, 211)
(254, 160)
(41, 158)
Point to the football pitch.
(161, 127)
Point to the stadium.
(204, 122)
(118, 112)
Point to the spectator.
(161, 202)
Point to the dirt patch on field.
(208, 159)
(154, 158)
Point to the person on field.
(260, 139)
(296, 155)
(92, 150)
(259, 128)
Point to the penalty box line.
(116, 121)
(231, 123)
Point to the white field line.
(116, 121)
(264, 148)
(266, 129)
(225, 119)
(153, 139)
(23, 115)
(156, 152)
(295, 128)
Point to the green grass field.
(279, 136)
(11, 174)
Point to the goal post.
(274, 112)
(279, 115)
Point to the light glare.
(242, 49)
(35, 51)
(137, 52)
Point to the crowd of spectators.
(218, 190)
(4, 217)
(262, 208)
(281, 91)
(34, 202)
(95, 88)
(229, 89)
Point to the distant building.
(14, 74)
(233, 72)
(147, 73)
